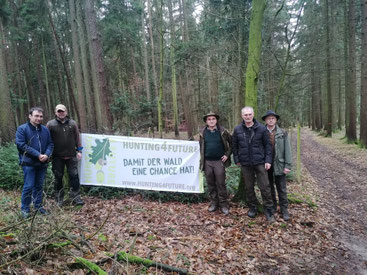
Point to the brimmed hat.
(60, 107)
(270, 113)
(210, 114)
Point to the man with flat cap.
(67, 152)
(282, 162)
(215, 152)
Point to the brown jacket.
(65, 136)
(227, 142)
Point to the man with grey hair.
(252, 151)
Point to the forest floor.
(327, 233)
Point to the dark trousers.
(249, 172)
(215, 174)
(58, 166)
(281, 187)
(34, 177)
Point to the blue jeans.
(34, 178)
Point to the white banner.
(141, 163)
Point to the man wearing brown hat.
(215, 152)
(282, 162)
(67, 152)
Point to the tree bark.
(96, 52)
(352, 77)
(363, 110)
(329, 121)
(173, 70)
(254, 53)
(91, 118)
(77, 68)
(7, 126)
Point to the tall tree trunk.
(48, 96)
(88, 88)
(69, 80)
(352, 77)
(145, 53)
(7, 126)
(191, 112)
(363, 114)
(329, 124)
(152, 48)
(346, 74)
(94, 39)
(254, 53)
(161, 56)
(77, 68)
(173, 70)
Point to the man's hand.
(224, 158)
(286, 171)
(238, 164)
(43, 158)
(267, 166)
(79, 156)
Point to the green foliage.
(11, 174)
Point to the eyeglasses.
(60, 111)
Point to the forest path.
(340, 171)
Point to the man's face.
(61, 114)
(270, 121)
(36, 118)
(211, 121)
(247, 115)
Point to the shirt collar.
(214, 129)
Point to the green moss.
(91, 266)
(134, 259)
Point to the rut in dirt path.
(343, 183)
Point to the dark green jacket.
(283, 153)
(227, 142)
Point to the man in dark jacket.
(282, 162)
(35, 146)
(252, 150)
(67, 152)
(215, 151)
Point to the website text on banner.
(141, 163)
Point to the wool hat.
(270, 113)
(210, 114)
(60, 107)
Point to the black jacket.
(251, 147)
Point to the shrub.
(11, 174)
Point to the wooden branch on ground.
(91, 266)
(123, 256)
(100, 227)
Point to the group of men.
(36, 144)
(262, 152)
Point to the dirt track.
(342, 182)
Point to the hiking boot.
(269, 215)
(252, 212)
(274, 208)
(25, 214)
(60, 203)
(213, 207)
(285, 214)
(78, 201)
(43, 211)
(224, 210)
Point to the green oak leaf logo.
(101, 151)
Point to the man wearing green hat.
(282, 162)
(215, 152)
